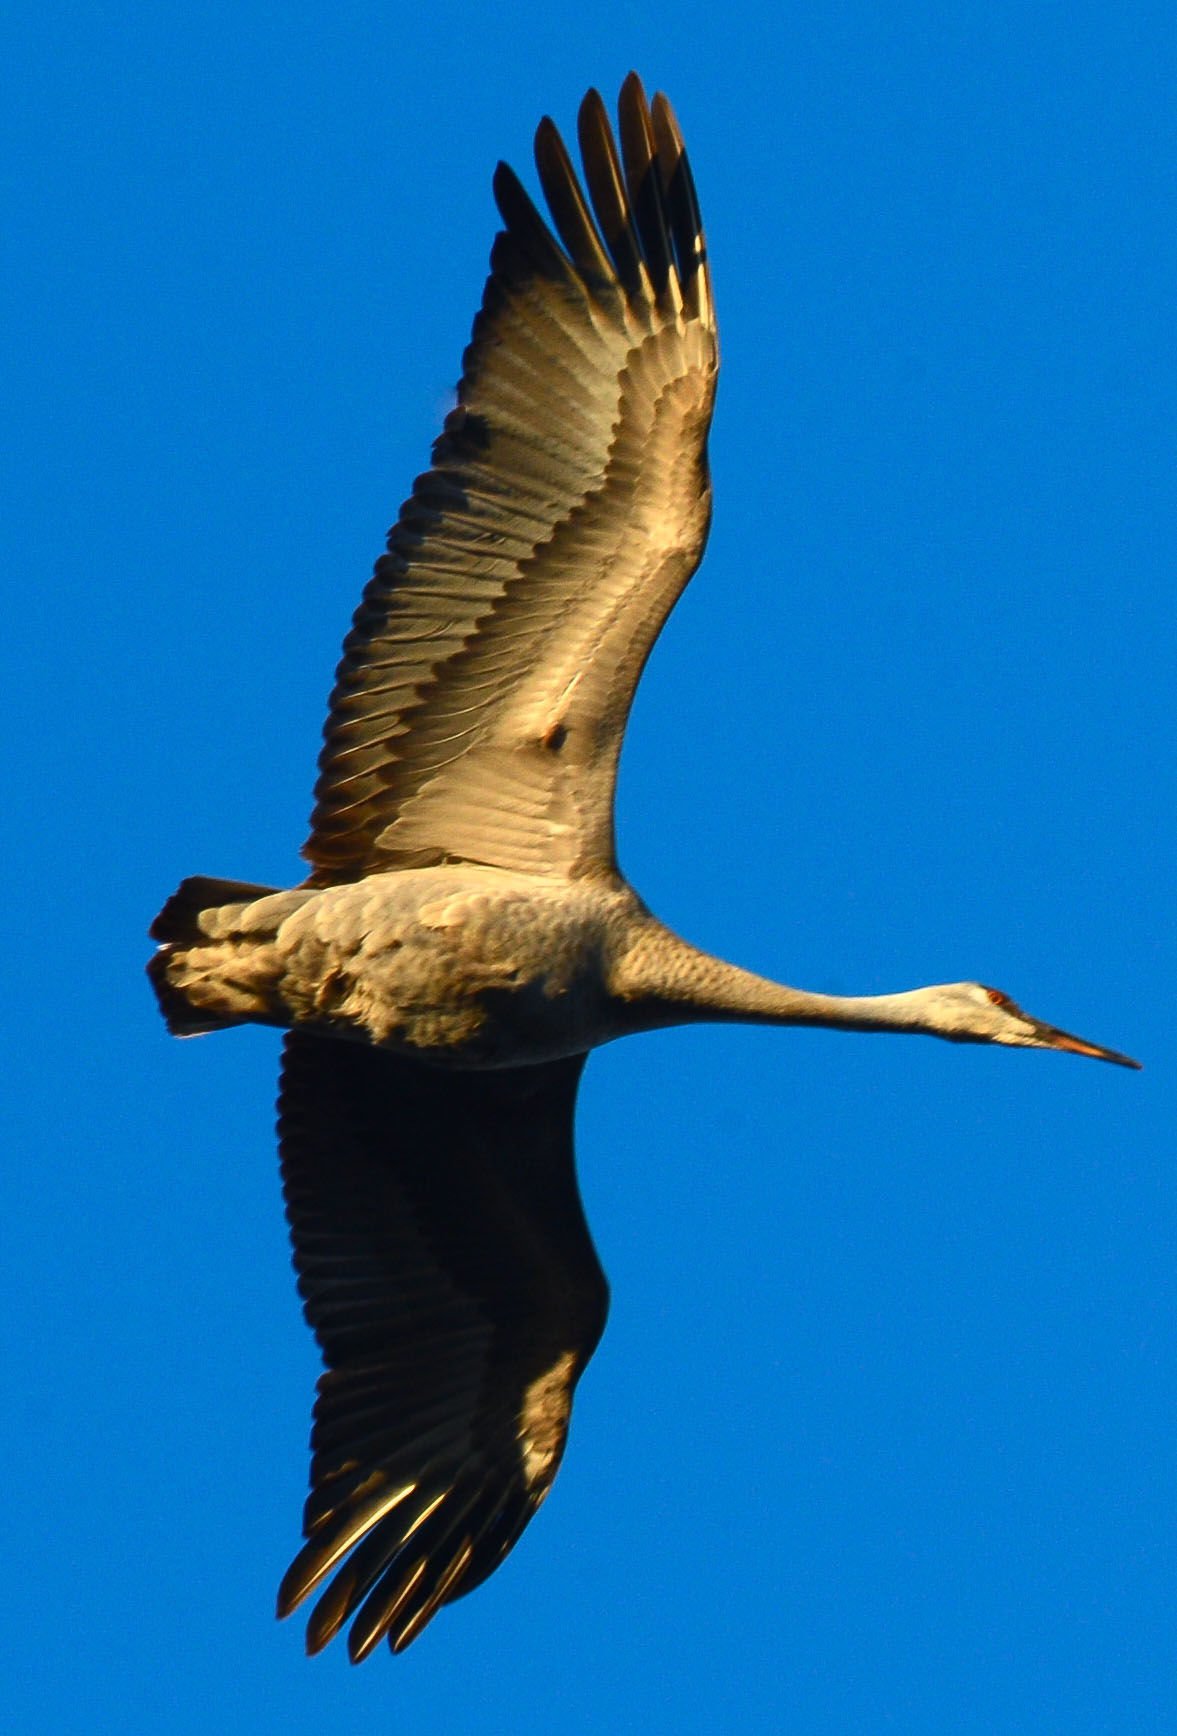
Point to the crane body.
(465, 937)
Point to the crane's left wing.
(478, 711)
(447, 1271)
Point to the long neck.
(664, 981)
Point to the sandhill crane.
(465, 937)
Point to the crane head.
(976, 1013)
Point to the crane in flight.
(465, 936)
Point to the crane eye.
(998, 999)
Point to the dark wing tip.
(682, 206)
(607, 189)
(644, 180)
(570, 210)
(527, 235)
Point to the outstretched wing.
(447, 1270)
(485, 684)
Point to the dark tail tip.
(180, 917)
(180, 1016)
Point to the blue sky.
(880, 1436)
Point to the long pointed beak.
(1049, 1037)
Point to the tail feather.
(178, 927)
(180, 1017)
(180, 917)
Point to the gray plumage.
(465, 937)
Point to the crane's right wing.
(479, 708)
(446, 1268)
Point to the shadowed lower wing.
(447, 1271)
(485, 684)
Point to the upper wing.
(479, 707)
(447, 1270)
